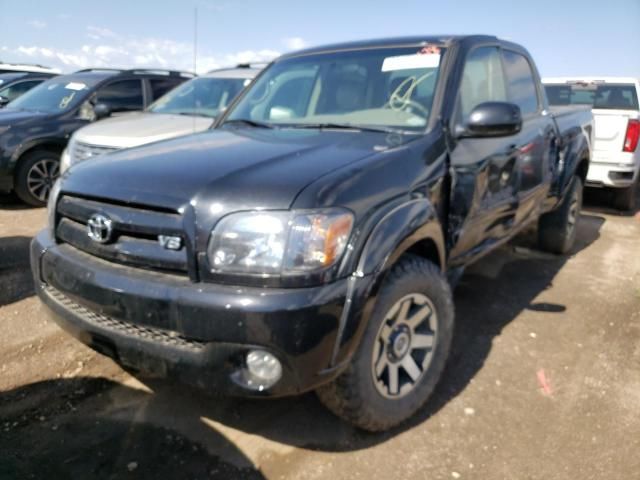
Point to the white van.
(616, 156)
(25, 67)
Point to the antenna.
(195, 38)
(195, 56)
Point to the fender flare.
(35, 143)
(573, 160)
(400, 229)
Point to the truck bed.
(570, 117)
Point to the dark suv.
(35, 128)
(12, 85)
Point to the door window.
(160, 86)
(521, 86)
(482, 80)
(122, 96)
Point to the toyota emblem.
(99, 228)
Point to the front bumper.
(166, 325)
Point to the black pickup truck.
(310, 241)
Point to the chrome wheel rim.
(404, 346)
(574, 212)
(41, 177)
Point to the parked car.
(35, 128)
(190, 108)
(310, 241)
(26, 67)
(616, 157)
(12, 85)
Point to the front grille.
(134, 233)
(157, 335)
(82, 151)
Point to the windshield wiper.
(342, 126)
(246, 121)
(194, 114)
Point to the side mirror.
(3, 101)
(102, 110)
(492, 119)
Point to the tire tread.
(344, 396)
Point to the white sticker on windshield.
(408, 62)
(77, 86)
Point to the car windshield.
(52, 96)
(204, 96)
(386, 88)
(599, 96)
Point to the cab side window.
(122, 96)
(521, 86)
(482, 80)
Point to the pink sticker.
(430, 50)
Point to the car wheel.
(35, 176)
(625, 198)
(402, 353)
(557, 229)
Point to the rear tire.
(35, 175)
(402, 353)
(557, 229)
(625, 198)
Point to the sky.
(565, 37)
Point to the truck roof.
(390, 42)
(600, 79)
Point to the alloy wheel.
(574, 212)
(41, 177)
(404, 345)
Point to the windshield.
(201, 96)
(52, 96)
(599, 96)
(381, 87)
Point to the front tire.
(402, 353)
(557, 229)
(35, 176)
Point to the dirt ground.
(543, 383)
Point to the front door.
(484, 194)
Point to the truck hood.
(139, 128)
(14, 118)
(239, 169)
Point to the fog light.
(264, 369)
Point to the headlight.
(271, 243)
(51, 208)
(65, 160)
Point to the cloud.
(294, 43)
(106, 48)
(63, 16)
(39, 24)
(98, 33)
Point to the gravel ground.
(543, 383)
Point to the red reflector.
(631, 138)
